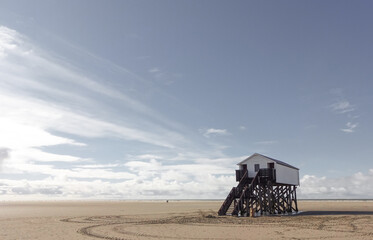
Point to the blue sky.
(160, 99)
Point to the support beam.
(261, 195)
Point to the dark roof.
(275, 160)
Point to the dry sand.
(180, 220)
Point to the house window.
(244, 167)
(256, 166)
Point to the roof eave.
(275, 160)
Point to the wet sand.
(180, 220)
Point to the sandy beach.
(180, 220)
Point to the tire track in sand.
(121, 227)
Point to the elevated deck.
(265, 175)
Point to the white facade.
(285, 173)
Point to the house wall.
(284, 174)
(287, 175)
(262, 161)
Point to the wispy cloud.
(162, 76)
(145, 156)
(39, 82)
(345, 108)
(215, 132)
(43, 97)
(48, 104)
(342, 106)
(350, 127)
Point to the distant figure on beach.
(166, 201)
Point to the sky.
(161, 99)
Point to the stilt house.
(265, 186)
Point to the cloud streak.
(48, 104)
(43, 97)
(53, 110)
(215, 132)
(162, 76)
(344, 107)
(350, 127)
(50, 89)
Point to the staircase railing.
(243, 181)
(228, 201)
(232, 195)
(247, 190)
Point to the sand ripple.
(207, 225)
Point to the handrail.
(249, 188)
(268, 173)
(232, 194)
(228, 201)
(243, 179)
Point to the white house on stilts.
(266, 186)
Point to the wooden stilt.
(260, 195)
